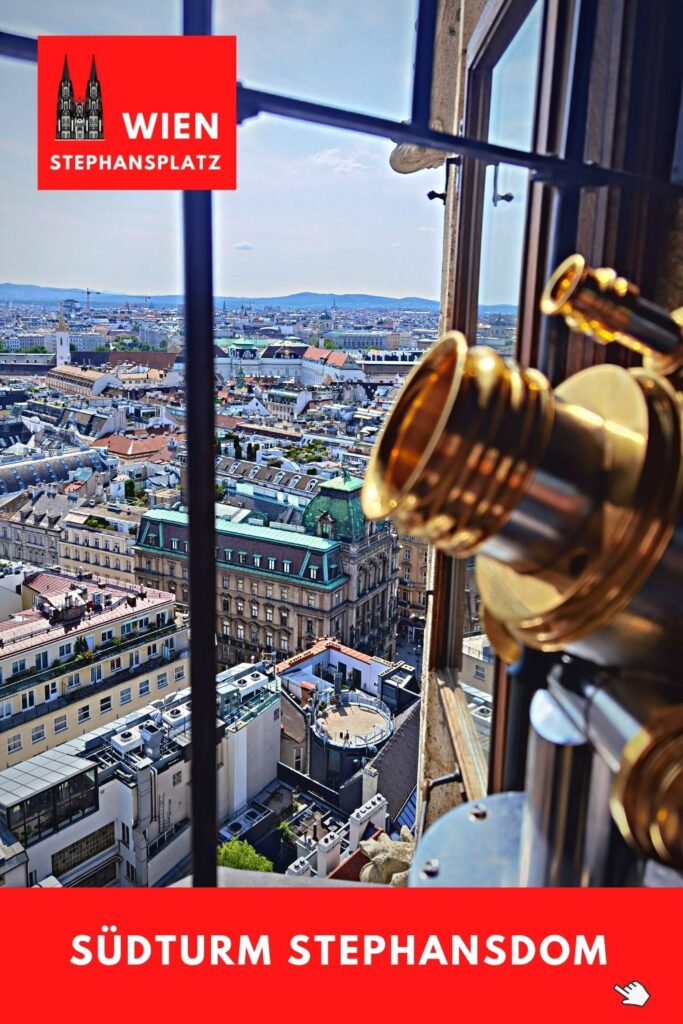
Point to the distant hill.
(300, 300)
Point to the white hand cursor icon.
(634, 994)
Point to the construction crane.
(88, 292)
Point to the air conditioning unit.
(177, 718)
(127, 741)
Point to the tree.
(328, 343)
(238, 448)
(220, 491)
(219, 450)
(163, 345)
(250, 452)
(129, 489)
(237, 853)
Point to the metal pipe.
(199, 396)
(558, 784)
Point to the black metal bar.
(18, 47)
(199, 403)
(554, 169)
(424, 62)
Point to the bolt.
(478, 813)
(430, 868)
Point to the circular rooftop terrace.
(355, 720)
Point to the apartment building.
(112, 807)
(100, 538)
(278, 588)
(31, 524)
(412, 587)
(79, 653)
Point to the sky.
(315, 209)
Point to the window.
(14, 744)
(115, 665)
(28, 700)
(179, 673)
(240, 631)
(254, 611)
(125, 834)
(151, 650)
(18, 666)
(257, 561)
(83, 849)
(177, 778)
(313, 572)
(126, 629)
(269, 613)
(254, 588)
(38, 734)
(284, 618)
(269, 641)
(107, 636)
(60, 723)
(162, 680)
(310, 600)
(269, 590)
(226, 630)
(143, 688)
(240, 607)
(73, 680)
(51, 690)
(174, 543)
(253, 635)
(271, 563)
(298, 759)
(284, 594)
(226, 605)
(84, 714)
(240, 583)
(286, 566)
(65, 650)
(242, 557)
(105, 705)
(6, 708)
(125, 695)
(227, 552)
(134, 659)
(284, 644)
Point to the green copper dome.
(337, 500)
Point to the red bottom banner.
(463, 954)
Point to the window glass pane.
(353, 54)
(513, 84)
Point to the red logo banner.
(136, 112)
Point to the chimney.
(329, 854)
(300, 868)
(374, 812)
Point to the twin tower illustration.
(79, 118)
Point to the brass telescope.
(571, 500)
(569, 497)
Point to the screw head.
(478, 813)
(430, 868)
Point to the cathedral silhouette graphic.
(79, 118)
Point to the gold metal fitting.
(608, 308)
(570, 499)
(459, 445)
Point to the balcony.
(78, 693)
(77, 664)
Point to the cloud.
(338, 162)
(244, 246)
